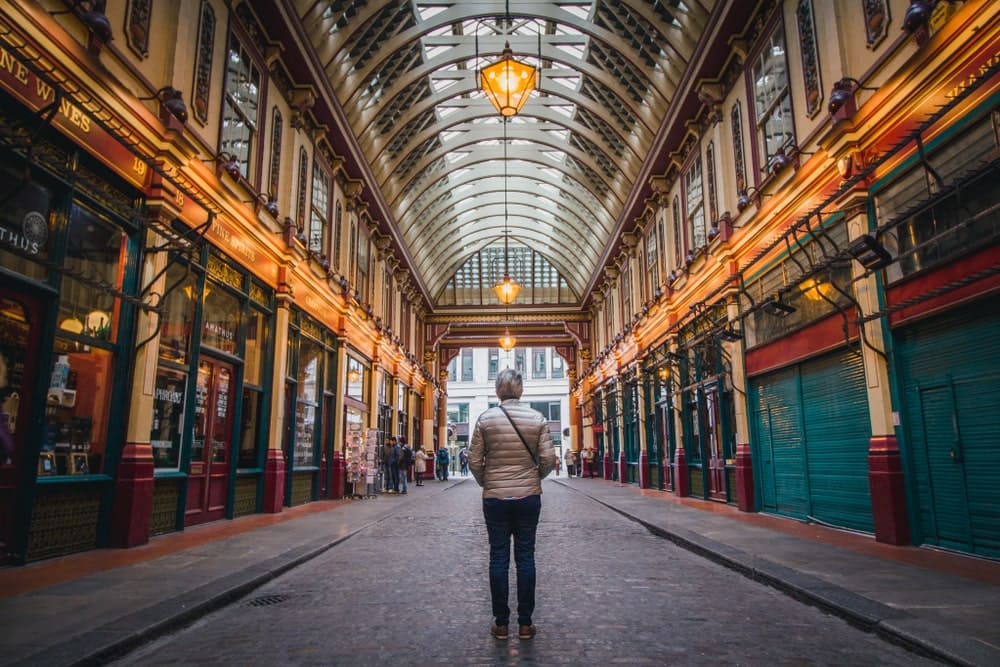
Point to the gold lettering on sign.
(43, 90)
(969, 80)
(138, 166)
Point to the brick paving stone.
(411, 589)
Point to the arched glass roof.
(405, 75)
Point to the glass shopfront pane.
(168, 418)
(248, 454)
(256, 344)
(26, 223)
(76, 414)
(220, 321)
(355, 379)
(310, 358)
(178, 314)
(94, 249)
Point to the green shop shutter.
(779, 454)
(950, 382)
(837, 434)
(811, 448)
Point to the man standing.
(511, 453)
(388, 456)
(404, 459)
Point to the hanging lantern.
(507, 342)
(508, 83)
(506, 289)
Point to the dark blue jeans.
(517, 519)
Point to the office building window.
(558, 366)
(538, 364)
(494, 363)
(467, 365)
(240, 105)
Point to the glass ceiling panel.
(405, 74)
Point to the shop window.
(220, 319)
(240, 105)
(79, 395)
(178, 314)
(319, 212)
(494, 363)
(355, 379)
(168, 418)
(26, 222)
(466, 365)
(558, 367)
(307, 403)
(652, 265)
(538, 364)
(255, 348)
(772, 100)
(248, 455)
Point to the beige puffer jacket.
(499, 461)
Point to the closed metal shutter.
(950, 377)
(837, 434)
(812, 436)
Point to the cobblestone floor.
(412, 590)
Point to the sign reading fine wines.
(37, 93)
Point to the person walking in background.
(388, 451)
(404, 461)
(510, 454)
(570, 462)
(420, 459)
(443, 461)
(463, 461)
(394, 466)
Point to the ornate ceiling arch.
(404, 73)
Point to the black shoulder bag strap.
(524, 442)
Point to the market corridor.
(410, 589)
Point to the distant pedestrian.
(394, 454)
(443, 461)
(570, 457)
(558, 465)
(463, 461)
(511, 453)
(405, 460)
(420, 459)
(388, 452)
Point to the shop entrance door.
(208, 476)
(20, 318)
(713, 441)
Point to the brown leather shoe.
(499, 632)
(526, 631)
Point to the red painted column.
(274, 482)
(339, 473)
(607, 465)
(885, 481)
(643, 471)
(682, 484)
(744, 478)
(133, 506)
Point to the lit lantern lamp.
(506, 289)
(507, 342)
(507, 82)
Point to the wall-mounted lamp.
(730, 334)
(917, 19)
(230, 164)
(747, 197)
(870, 252)
(172, 101)
(269, 201)
(663, 372)
(841, 103)
(779, 161)
(776, 307)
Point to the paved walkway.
(92, 607)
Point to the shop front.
(67, 285)
(213, 360)
(310, 390)
(363, 453)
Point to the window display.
(168, 418)
(310, 356)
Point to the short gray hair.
(509, 384)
